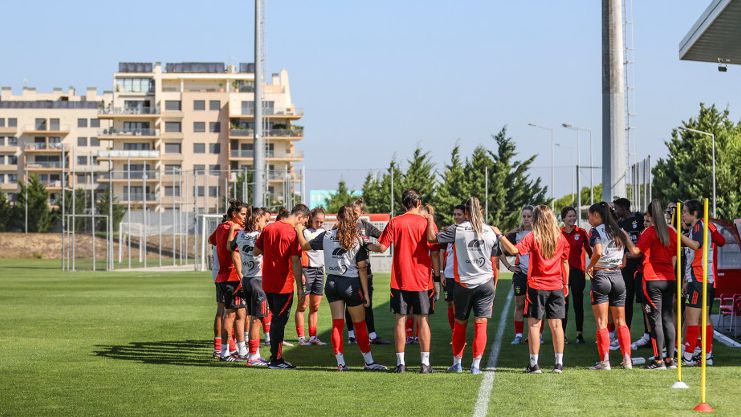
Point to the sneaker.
(425, 369)
(517, 340)
(457, 368)
(230, 358)
(533, 369)
(601, 366)
(217, 353)
(709, 361)
(627, 363)
(410, 340)
(287, 344)
(670, 363)
(688, 362)
(303, 342)
(580, 340)
(342, 368)
(374, 367)
(280, 364)
(400, 369)
(351, 341)
(643, 341)
(475, 371)
(379, 341)
(557, 368)
(315, 341)
(654, 365)
(698, 359)
(257, 362)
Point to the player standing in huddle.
(344, 257)
(412, 291)
(608, 243)
(312, 265)
(447, 260)
(475, 245)
(219, 317)
(229, 282)
(281, 252)
(547, 283)
(692, 214)
(519, 271)
(578, 244)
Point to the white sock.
(255, 355)
(533, 359)
(312, 338)
(368, 356)
(518, 334)
(350, 333)
(559, 358)
(225, 350)
(340, 359)
(425, 358)
(242, 348)
(372, 335)
(267, 337)
(400, 358)
(476, 363)
(626, 358)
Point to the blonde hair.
(545, 230)
(473, 209)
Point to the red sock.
(266, 322)
(451, 317)
(479, 339)
(610, 327)
(254, 346)
(519, 326)
(690, 341)
(624, 339)
(232, 344)
(459, 339)
(300, 331)
(337, 330)
(603, 343)
(361, 336)
(409, 326)
(709, 336)
(312, 331)
(217, 343)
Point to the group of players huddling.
(629, 257)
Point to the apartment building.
(163, 135)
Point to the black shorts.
(232, 296)
(640, 296)
(279, 304)
(254, 297)
(449, 289)
(608, 286)
(479, 299)
(694, 294)
(219, 294)
(550, 304)
(412, 302)
(519, 283)
(345, 289)
(314, 280)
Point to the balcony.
(290, 114)
(9, 148)
(120, 154)
(129, 113)
(9, 167)
(40, 130)
(44, 165)
(52, 185)
(125, 176)
(151, 198)
(10, 186)
(294, 132)
(269, 155)
(44, 147)
(113, 133)
(8, 129)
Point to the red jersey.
(544, 274)
(226, 267)
(278, 243)
(657, 258)
(411, 269)
(694, 270)
(578, 243)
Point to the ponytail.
(608, 219)
(473, 210)
(657, 217)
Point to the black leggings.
(280, 306)
(370, 322)
(660, 297)
(577, 283)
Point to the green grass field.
(140, 344)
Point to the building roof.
(716, 36)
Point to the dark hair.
(566, 210)
(347, 227)
(359, 203)
(250, 225)
(410, 198)
(608, 219)
(657, 217)
(234, 205)
(315, 212)
(300, 210)
(281, 214)
(461, 207)
(695, 208)
(623, 203)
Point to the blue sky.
(379, 78)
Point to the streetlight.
(713, 138)
(553, 164)
(591, 161)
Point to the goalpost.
(205, 225)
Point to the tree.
(6, 213)
(103, 206)
(687, 170)
(340, 198)
(449, 192)
(420, 175)
(39, 216)
(377, 191)
(569, 200)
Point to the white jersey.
(337, 260)
(523, 260)
(612, 253)
(473, 252)
(449, 262)
(214, 263)
(251, 264)
(315, 257)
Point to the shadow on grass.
(170, 352)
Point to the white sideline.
(482, 402)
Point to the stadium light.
(553, 149)
(700, 132)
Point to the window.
(82, 160)
(81, 179)
(199, 169)
(137, 146)
(12, 122)
(82, 141)
(12, 141)
(199, 105)
(214, 127)
(172, 148)
(199, 191)
(135, 85)
(12, 178)
(172, 168)
(40, 124)
(172, 191)
(172, 127)
(2, 178)
(54, 124)
(94, 122)
(2, 122)
(12, 160)
(199, 148)
(214, 105)
(199, 127)
(213, 191)
(214, 148)
(173, 105)
(214, 169)
(94, 142)
(81, 122)
(248, 107)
